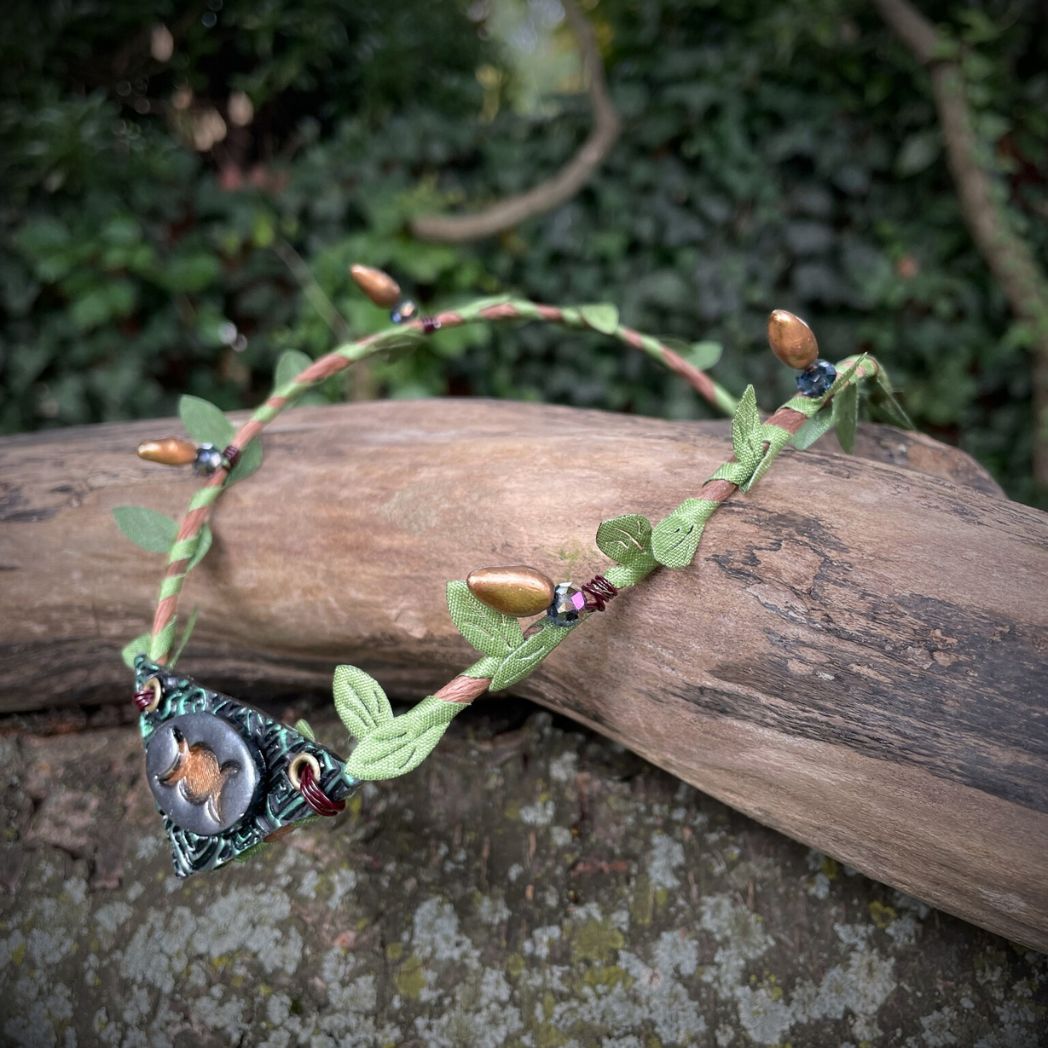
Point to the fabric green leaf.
(847, 377)
(736, 472)
(403, 743)
(747, 442)
(846, 416)
(883, 400)
(675, 540)
(809, 407)
(186, 634)
(489, 631)
(527, 656)
(602, 317)
(392, 339)
(483, 667)
(139, 646)
(360, 701)
(204, 422)
(622, 576)
(289, 364)
(203, 545)
(303, 728)
(776, 438)
(249, 461)
(524, 307)
(471, 309)
(814, 428)
(626, 540)
(746, 439)
(703, 355)
(148, 529)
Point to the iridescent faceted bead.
(568, 601)
(403, 311)
(817, 379)
(208, 460)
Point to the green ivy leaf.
(290, 363)
(846, 416)
(403, 743)
(146, 528)
(627, 540)
(204, 422)
(139, 646)
(602, 317)
(489, 631)
(523, 659)
(360, 701)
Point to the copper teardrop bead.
(171, 451)
(378, 285)
(517, 590)
(791, 340)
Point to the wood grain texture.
(857, 658)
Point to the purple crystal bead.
(568, 601)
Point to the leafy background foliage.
(772, 155)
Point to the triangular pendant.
(221, 771)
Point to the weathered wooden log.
(857, 658)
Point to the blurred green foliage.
(772, 155)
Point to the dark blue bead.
(208, 460)
(403, 311)
(817, 379)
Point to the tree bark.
(857, 656)
(1008, 255)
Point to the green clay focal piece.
(219, 770)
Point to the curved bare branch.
(1008, 255)
(554, 191)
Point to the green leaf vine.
(387, 746)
